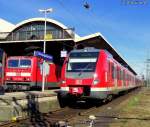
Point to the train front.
(79, 74)
(18, 72)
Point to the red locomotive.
(25, 72)
(91, 73)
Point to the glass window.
(13, 63)
(84, 54)
(82, 62)
(25, 63)
(113, 70)
(81, 66)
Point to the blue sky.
(126, 26)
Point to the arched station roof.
(48, 20)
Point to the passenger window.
(113, 70)
(118, 73)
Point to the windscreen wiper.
(84, 69)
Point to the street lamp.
(45, 11)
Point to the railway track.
(55, 118)
(66, 115)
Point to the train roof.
(89, 49)
(98, 41)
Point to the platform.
(21, 104)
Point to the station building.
(28, 35)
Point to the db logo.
(78, 81)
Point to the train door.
(121, 78)
(109, 74)
(118, 76)
(114, 74)
(124, 79)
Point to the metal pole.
(147, 72)
(44, 51)
(45, 11)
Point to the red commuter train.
(91, 73)
(25, 72)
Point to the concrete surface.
(22, 104)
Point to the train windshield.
(25, 63)
(13, 63)
(82, 62)
(22, 63)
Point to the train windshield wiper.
(84, 68)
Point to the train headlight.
(95, 75)
(8, 78)
(63, 81)
(95, 82)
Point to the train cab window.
(82, 62)
(81, 65)
(13, 63)
(25, 63)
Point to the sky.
(124, 23)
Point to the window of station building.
(35, 30)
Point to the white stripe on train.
(18, 74)
(102, 89)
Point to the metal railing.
(38, 35)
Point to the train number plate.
(76, 90)
(18, 74)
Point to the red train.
(25, 72)
(91, 73)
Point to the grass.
(132, 103)
(134, 111)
